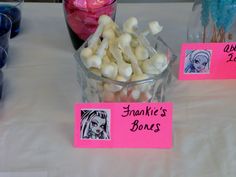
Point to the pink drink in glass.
(82, 17)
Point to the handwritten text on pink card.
(123, 125)
(208, 61)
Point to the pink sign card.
(123, 125)
(200, 61)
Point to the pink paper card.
(200, 61)
(123, 125)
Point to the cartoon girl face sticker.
(97, 125)
(94, 124)
(198, 61)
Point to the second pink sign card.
(208, 61)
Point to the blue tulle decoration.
(231, 14)
(222, 12)
(213, 6)
(205, 13)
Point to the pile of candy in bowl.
(120, 65)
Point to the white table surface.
(36, 116)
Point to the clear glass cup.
(12, 8)
(96, 88)
(82, 18)
(5, 31)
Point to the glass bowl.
(100, 89)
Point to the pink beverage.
(82, 17)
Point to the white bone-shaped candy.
(121, 78)
(154, 28)
(134, 43)
(106, 59)
(109, 70)
(108, 34)
(113, 26)
(124, 43)
(103, 21)
(124, 68)
(95, 61)
(156, 64)
(101, 51)
(85, 53)
(96, 45)
(148, 68)
(141, 53)
(159, 61)
(130, 25)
